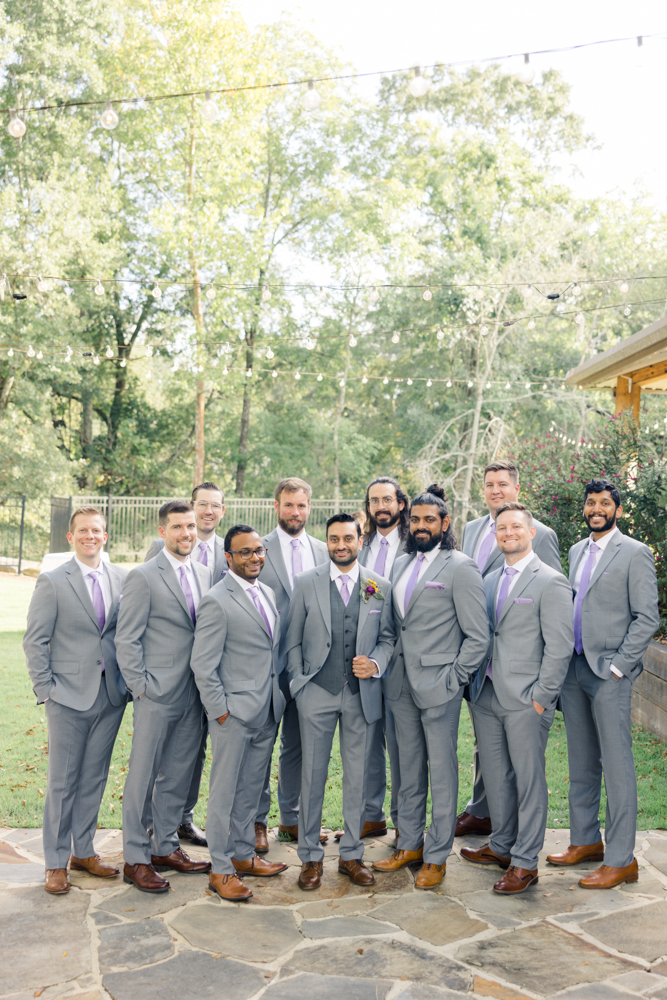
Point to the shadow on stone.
(136, 905)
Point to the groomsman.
(208, 502)
(443, 636)
(233, 659)
(71, 657)
(154, 637)
(501, 486)
(615, 616)
(339, 641)
(290, 550)
(514, 696)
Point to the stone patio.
(340, 942)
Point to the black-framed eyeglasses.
(246, 553)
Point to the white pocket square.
(523, 600)
(433, 585)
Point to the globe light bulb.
(311, 100)
(527, 292)
(39, 355)
(209, 109)
(109, 352)
(210, 293)
(531, 324)
(319, 378)
(483, 330)
(149, 352)
(156, 291)
(624, 288)
(479, 293)
(470, 385)
(225, 370)
(123, 363)
(149, 374)
(507, 385)
(311, 344)
(440, 335)
(527, 385)
(526, 74)
(429, 384)
(375, 295)
(99, 288)
(353, 341)
(274, 374)
(96, 360)
(395, 339)
(627, 310)
(418, 85)
(65, 359)
(108, 118)
(270, 354)
(577, 290)
(249, 373)
(42, 286)
(297, 376)
(266, 294)
(364, 380)
(449, 383)
(488, 385)
(428, 295)
(342, 383)
(409, 381)
(385, 381)
(579, 318)
(16, 127)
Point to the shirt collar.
(244, 583)
(429, 556)
(336, 571)
(89, 569)
(286, 539)
(176, 563)
(207, 541)
(604, 541)
(521, 564)
(393, 538)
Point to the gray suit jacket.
(545, 545)
(63, 644)
(218, 570)
(233, 657)
(444, 635)
(620, 610)
(155, 632)
(531, 644)
(309, 634)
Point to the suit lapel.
(490, 588)
(474, 537)
(432, 571)
(220, 565)
(274, 553)
(365, 606)
(613, 546)
(581, 546)
(203, 577)
(114, 584)
(494, 561)
(521, 584)
(269, 600)
(75, 577)
(245, 602)
(170, 578)
(321, 587)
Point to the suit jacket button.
(496, 633)
(402, 628)
(99, 663)
(328, 644)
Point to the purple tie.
(187, 590)
(485, 548)
(381, 560)
(297, 565)
(203, 554)
(412, 582)
(254, 593)
(344, 588)
(502, 597)
(98, 599)
(581, 593)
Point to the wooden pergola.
(636, 365)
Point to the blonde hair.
(87, 510)
(292, 485)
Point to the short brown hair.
(514, 505)
(206, 486)
(174, 507)
(92, 511)
(503, 466)
(292, 485)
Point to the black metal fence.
(12, 526)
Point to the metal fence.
(12, 524)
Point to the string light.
(209, 109)
(66, 359)
(311, 100)
(297, 375)
(409, 381)
(99, 288)
(577, 290)
(96, 360)
(353, 341)
(531, 324)
(123, 363)
(108, 118)
(274, 374)
(449, 383)
(440, 335)
(156, 291)
(319, 377)
(266, 294)
(16, 127)
(479, 293)
(249, 373)
(526, 74)
(364, 380)
(579, 318)
(396, 338)
(527, 385)
(385, 381)
(483, 330)
(210, 293)
(109, 352)
(31, 353)
(321, 294)
(225, 370)
(624, 288)
(488, 385)
(428, 295)
(42, 286)
(39, 355)
(429, 384)
(375, 295)
(270, 354)
(10, 353)
(418, 85)
(342, 383)
(627, 310)
(470, 385)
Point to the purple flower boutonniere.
(369, 588)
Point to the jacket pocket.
(65, 666)
(155, 662)
(613, 641)
(437, 659)
(236, 685)
(374, 611)
(525, 666)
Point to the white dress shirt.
(307, 558)
(336, 574)
(104, 581)
(519, 567)
(189, 572)
(256, 589)
(486, 528)
(394, 541)
(602, 544)
(399, 590)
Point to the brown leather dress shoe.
(229, 887)
(515, 880)
(292, 833)
(258, 866)
(192, 833)
(575, 855)
(145, 878)
(57, 881)
(485, 856)
(606, 877)
(467, 823)
(429, 875)
(261, 839)
(310, 876)
(357, 871)
(367, 830)
(399, 859)
(179, 862)
(94, 866)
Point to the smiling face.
(292, 510)
(343, 543)
(88, 536)
(209, 510)
(180, 534)
(383, 507)
(600, 512)
(247, 555)
(499, 489)
(514, 533)
(427, 526)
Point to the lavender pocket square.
(374, 611)
(433, 585)
(523, 600)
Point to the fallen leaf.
(268, 975)
(404, 979)
(39, 992)
(360, 950)
(132, 910)
(64, 953)
(572, 888)
(544, 894)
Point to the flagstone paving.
(341, 942)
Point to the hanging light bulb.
(353, 341)
(210, 293)
(527, 385)
(375, 295)
(385, 381)
(16, 127)
(65, 359)
(342, 383)
(528, 292)
(108, 118)
(109, 352)
(449, 383)
(10, 353)
(123, 363)
(297, 376)
(624, 288)
(419, 84)
(440, 335)
(428, 295)
(96, 360)
(395, 339)
(249, 373)
(531, 324)
(156, 291)
(507, 385)
(470, 384)
(526, 74)
(409, 381)
(579, 318)
(483, 330)
(99, 288)
(31, 353)
(364, 380)
(149, 373)
(311, 100)
(321, 294)
(149, 352)
(429, 384)
(42, 286)
(225, 370)
(274, 374)
(627, 310)
(488, 385)
(577, 290)
(39, 355)
(270, 354)
(266, 294)
(319, 377)
(209, 109)
(479, 293)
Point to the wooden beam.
(628, 395)
(649, 374)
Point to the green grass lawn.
(24, 754)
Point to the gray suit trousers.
(240, 756)
(193, 794)
(166, 740)
(319, 713)
(477, 804)
(512, 745)
(80, 748)
(384, 742)
(289, 770)
(599, 740)
(427, 735)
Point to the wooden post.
(628, 395)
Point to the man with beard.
(443, 636)
(615, 616)
(290, 550)
(340, 637)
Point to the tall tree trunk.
(198, 314)
(6, 383)
(244, 430)
(339, 413)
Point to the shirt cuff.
(376, 676)
(616, 671)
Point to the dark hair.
(433, 496)
(207, 486)
(344, 519)
(238, 529)
(514, 505)
(174, 507)
(503, 465)
(599, 486)
(404, 517)
(292, 485)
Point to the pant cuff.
(530, 863)
(615, 860)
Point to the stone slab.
(103, 919)
(189, 974)
(642, 931)
(462, 876)
(646, 885)
(345, 927)
(312, 987)
(8, 853)
(435, 919)
(657, 855)
(26, 872)
(489, 988)
(640, 981)
(542, 958)
(596, 991)
(554, 893)
(373, 959)
(134, 905)
(129, 946)
(417, 991)
(284, 889)
(237, 931)
(336, 907)
(84, 880)
(659, 995)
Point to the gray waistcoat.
(338, 665)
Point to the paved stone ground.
(337, 943)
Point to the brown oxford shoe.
(258, 866)
(57, 882)
(178, 861)
(310, 876)
(192, 833)
(399, 859)
(368, 830)
(357, 871)
(515, 880)
(575, 855)
(94, 866)
(145, 878)
(229, 887)
(485, 856)
(292, 833)
(467, 823)
(261, 839)
(606, 877)
(429, 875)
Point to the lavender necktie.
(98, 598)
(203, 554)
(254, 593)
(412, 582)
(502, 597)
(187, 590)
(381, 560)
(344, 588)
(581, 593)
(297, 565)
(485, 548)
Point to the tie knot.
(202, 545)
(95, 573)
(421, 557)
(182, 571)
(295, 542)
(511, 571)
(493, 527)
(594, 547)
(384, 542)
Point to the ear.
(161, 531)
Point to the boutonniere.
(369, 588)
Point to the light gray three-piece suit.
(73, 669)
(529, 653)
(154, 638)
(234, 664)
(323, 636)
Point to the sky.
(620, 90)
